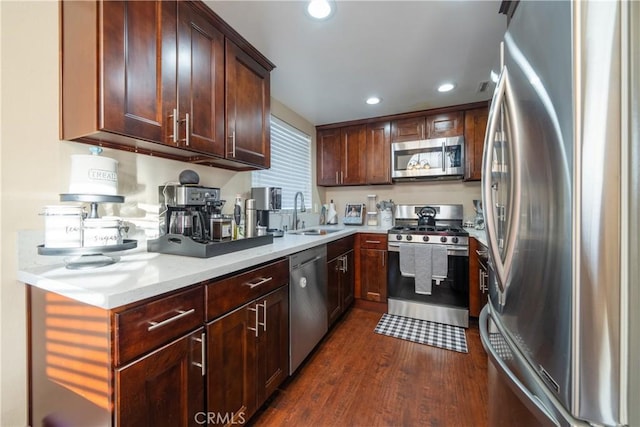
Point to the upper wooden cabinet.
(428, 126)
(343, 151)
(378, 153)
(411, 129)
(475, 126)
(248, 107)
(342, 156)
(200, 84)
(354, 155)
(123, 86)
(445, 125)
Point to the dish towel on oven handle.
(424, 268)
(439, 263)
(407, 260)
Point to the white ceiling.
(397, 50)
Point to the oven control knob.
(425, 238)
(398, 236)
(454, 239)
(409, 237)
(443, 239)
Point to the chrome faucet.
(295, 208)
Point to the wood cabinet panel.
(334, 275)
(478, 279)
(373, 266)
(410, 129)
(146, 326)
(273, 344)
(248, 99)
(475, 126)
(354, 155)
(200, 83)
(165, 388)
(226, 294)
(231, 364)
(378, 153)
(445, 125)
(137, 88)
(328, 157)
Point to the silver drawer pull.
(260, 281)
(372, 241)
(180, 315)
(482, 253)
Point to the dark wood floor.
(359, 378)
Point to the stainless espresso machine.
(187, 210)
(267, 199)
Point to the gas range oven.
(428, 271)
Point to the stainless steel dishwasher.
(308, 320)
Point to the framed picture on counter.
(354, 214)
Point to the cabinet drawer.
(226, 294)
(147, 326)
(373, 241)
(339, 247)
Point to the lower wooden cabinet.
(340, 277)
(247, 356)
(164, 388)
(478, 277)
(373, 267)
(208, 354)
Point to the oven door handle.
(451, 250)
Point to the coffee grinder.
(186, 210)
(268, 199)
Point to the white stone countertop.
(140, 274)
(481, 235)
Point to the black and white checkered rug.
(423, 332)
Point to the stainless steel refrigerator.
(560, 186)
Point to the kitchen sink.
(315, 231)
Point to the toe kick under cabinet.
(213, 351)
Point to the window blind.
(290, 164)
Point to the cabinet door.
(445, 125)
(334, 279)
(347, 282)
(328, 157)
(354, 155)
(164, 388)
(379, 153)
(200, 83)
(273, 343)
(248, 108)
(475, 126)
(408, 129)
(373, 264)
(139, 67)
(231, 364)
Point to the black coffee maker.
(185, 210)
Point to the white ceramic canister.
(102, 232)
(386, 218)
(63, 226)
(93, 174)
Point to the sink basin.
(314, 231)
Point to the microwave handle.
(444, 152)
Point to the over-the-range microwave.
(428, 158)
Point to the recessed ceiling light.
(446, 87)
(373, 100)
(320, 9)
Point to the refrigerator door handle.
(501, 96)
(520, 389)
